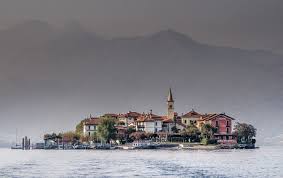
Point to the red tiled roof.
(130, 114)
(165, 119)
(122, 115)
(92, 121)
(168, 120)
(110, 115)
(133, 114)
(148, 118)
(192, 114)
(214, 116)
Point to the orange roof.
(92, 121)
(110, 115)
(168, 120)
(130, 114)
(148, 118)
(214, 116)
(133, 114)
(192, 114)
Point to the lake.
(263, 162)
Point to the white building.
(90, 126)
(149, 123)
(129, 118)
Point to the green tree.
(207, 131)
(245, 132)
(106, 129)
(191, 132)
(139, 135)
(130, 130)
(71, 135)
(79, 128)
(174, 129)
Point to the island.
(134, 130)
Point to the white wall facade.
(153, 126)
(89, 130)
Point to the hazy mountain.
(42, 67)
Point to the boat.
(38, 146)
(81, 146)
(17, 146)
(127, 148)
(143, 145)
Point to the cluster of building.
(152, 123)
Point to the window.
(227, 130)
(217, 124)
(228, 124)
(227, 137)
(89, 127)
(155, 123)
(89, 134)
(185, 121)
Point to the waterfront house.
(150, 123)
(128, 119)
(223, 124)
(90, 126)
(191, 118)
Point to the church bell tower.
(170, 105)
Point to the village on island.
(134, 130)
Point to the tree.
(174, 129)
(245, 132)
(79, 128)
(131, 130)
(106, 129)
(138, 135)
(191, 132)
(207, 132)
(70, 136)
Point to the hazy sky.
(50, 80)
(241, 23)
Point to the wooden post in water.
(25, 143)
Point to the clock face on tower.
(170, 106)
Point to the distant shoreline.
(159, 146)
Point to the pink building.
(224, 126)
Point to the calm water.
(263, 162)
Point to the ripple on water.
(265, 162)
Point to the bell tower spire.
(170, 105)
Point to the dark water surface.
(263, 162)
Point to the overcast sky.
(253, 24)
(45, 88)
